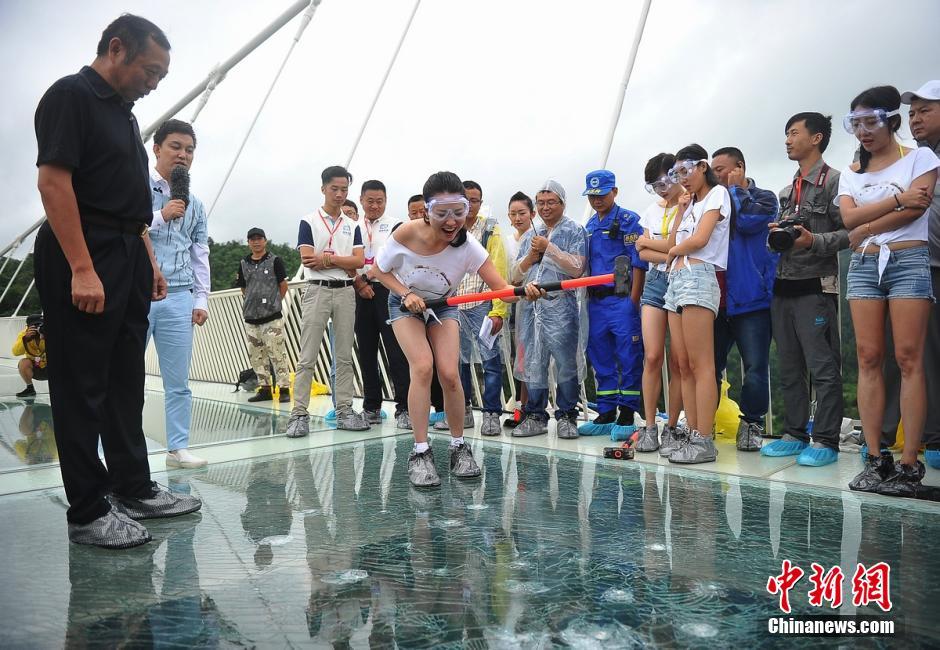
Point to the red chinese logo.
(783, 583)
(869, 585)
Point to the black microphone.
(179, 184)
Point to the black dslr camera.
(781, 238)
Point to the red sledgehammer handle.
(574, 283)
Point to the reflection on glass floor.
(331, 547)
(26, 427)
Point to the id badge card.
(328, 251)
(369, 260)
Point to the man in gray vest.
(263, 281)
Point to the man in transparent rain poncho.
(551, 337)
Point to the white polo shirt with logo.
(374, 235)
(326, 234)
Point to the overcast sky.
(506, 92)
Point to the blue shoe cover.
(330, 415)
(591, 429)
(620, 433)
(383, 414)
(817, 457)
(783, 448)
(436, 417)
(932, 456)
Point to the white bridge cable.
(305, 20)
(218, 73)
(378, 93)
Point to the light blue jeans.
(171, 326)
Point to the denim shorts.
(395, 312)
(654, 289)
(695, 285)
(907, 275)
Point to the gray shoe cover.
(531, 425)
(648, 439)
(491, 425)
(403, 421)
(750, 436)
(421, 470)
(351, 421)
(298, 426)
(566, 428)
(697, 449)
(462, 463)
(160, 503)
(113, 529)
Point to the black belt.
(332, 284)
(603, 292)
(124, 225)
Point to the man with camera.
(804, 309)
(31, 345)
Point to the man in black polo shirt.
(96, 276)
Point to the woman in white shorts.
(658, 221)
(885, 201)
(700, 249)
(424, 259)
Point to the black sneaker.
(263, 395)
(283, 395)
(877, 470)
(607, 417)
(29, 391)
(905, 482)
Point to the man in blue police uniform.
(615, 344)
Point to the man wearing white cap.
(550, 330)
(924, 117)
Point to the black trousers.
(96, 368)
(372, 323)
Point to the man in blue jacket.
(615, 345)
(744, 316)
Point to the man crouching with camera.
(31, 345)
(804, 309)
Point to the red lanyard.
(332, 231)
(798, 186)
(368, 224)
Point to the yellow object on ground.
(316, 388)
(728, 414)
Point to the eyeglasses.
(549, 203)
(682, 169)
(660, 185)
(448, 208)
(868, 120)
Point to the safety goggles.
(868, 120)
(660, 185)
(682, 169)
(448, 207)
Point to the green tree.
(225, 258)
(19, 287)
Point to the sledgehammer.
(621, 277)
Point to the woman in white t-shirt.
(423, 259)
(658, 221)
(885, 201)
(699, 248)
(521, 214)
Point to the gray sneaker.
(421, 470)
(531, 425)
(671, 439)
(351, 421)
(648, 439)
(113, 529)
(462, 464)
(566, 427)
(490, 425)
(403, 421)
(298, 426)
(697, 449)
(750, 436)
(372, 417)
(468, 421)
(159, 503)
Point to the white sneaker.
(182, 458)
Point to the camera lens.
(781, 239)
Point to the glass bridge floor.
(331, 547)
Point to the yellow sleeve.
(497, 252)
(19, 349)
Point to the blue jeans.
(752, 333)
(492, 384)
(566, 398)
(171, 326)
